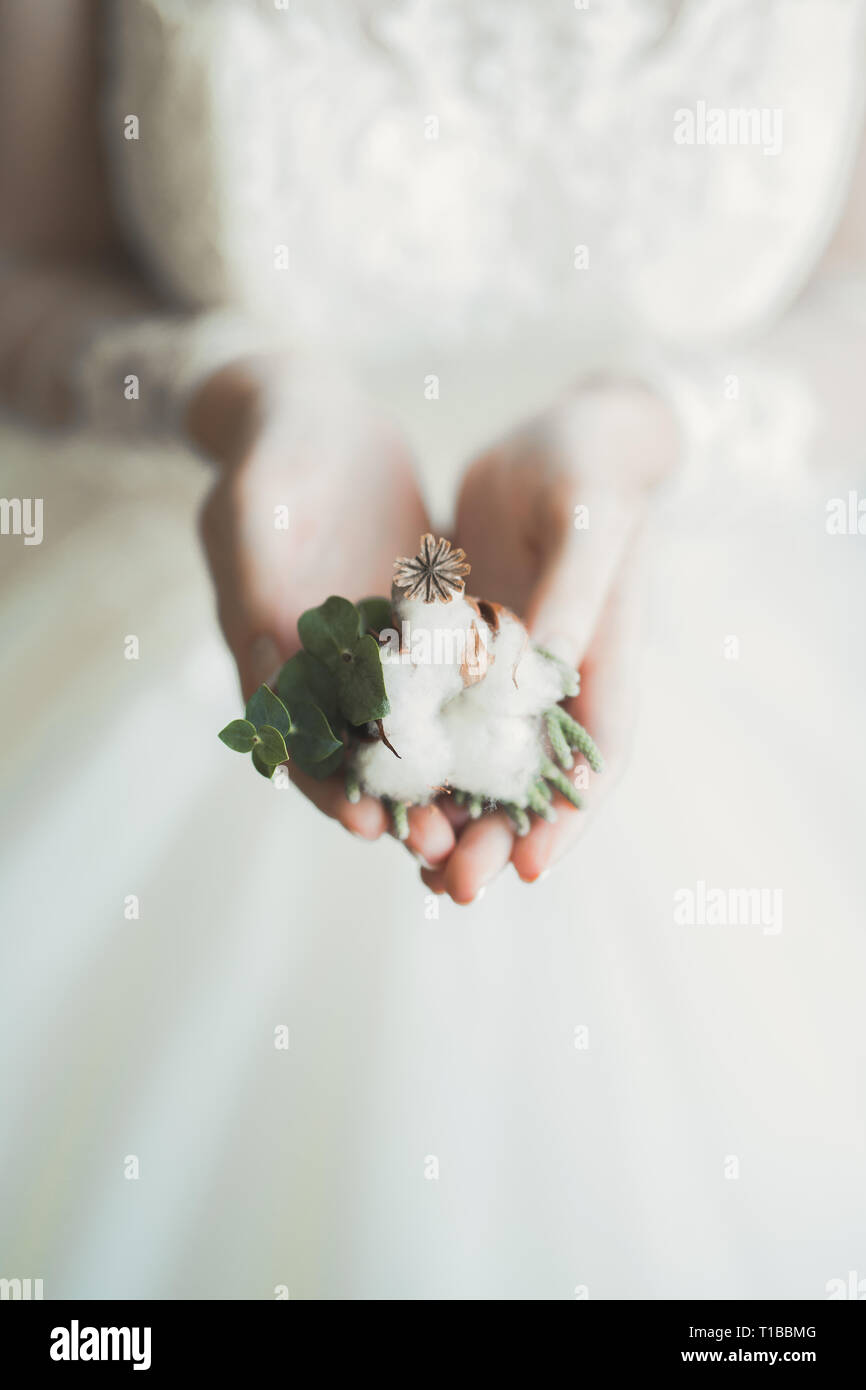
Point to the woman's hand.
(315, 495)
(551, 522)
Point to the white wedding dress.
(563, 1091)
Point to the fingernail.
(539, 878)
(263, 659)
(480, 894)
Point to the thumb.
(579, 573)
(258, 662)
(244, 579)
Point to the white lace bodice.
(384, 177)
(430, 166)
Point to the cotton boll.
(519, 681)
(435, 638)
(418, 682)
(492, 755)
(439, 633)
(509, 649)
(421, 769)
(406, 685)
(414, 728)
(483, 736)
(457, 614)
(538, 686)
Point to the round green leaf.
(361, 685)
(305, 681)
(260, 765)
(271, 747)
(330, 630)
(375, 613)
(265, 708)
(324, 767)
(240, 735)
(311, 736)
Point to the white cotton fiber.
(482, 736)
(416, 694)
(492, 756)
(420, 771)
(458, 614)
(418, 681)
(520, 681)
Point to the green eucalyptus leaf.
(305, 681)
(330, 630)
(361, 685)
(375, 613)
(260, 765)
(324, 767)
(266, 708)
(240, 735)
(311, 736)
(271, 746)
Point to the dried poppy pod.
(436, 573)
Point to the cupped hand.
(551, 521)
(315, 495)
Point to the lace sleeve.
(136, 376)
(781, 411)
(175, 145)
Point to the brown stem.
(383, 736)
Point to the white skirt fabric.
(565, 1091)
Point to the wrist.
(301, 395)
(628, 436)
(225, 412)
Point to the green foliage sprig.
(334, 684)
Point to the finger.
(578, 575)
(610, 671)
(457, 816)
(431, 837)
(434, 879)
(239, 546)
(604, 706)
(547, 841)
(481, 853)
(366, 817)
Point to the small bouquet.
(427, 693)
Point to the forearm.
(49, 314)
(623, 432)
(98, 349)
(226, 409)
